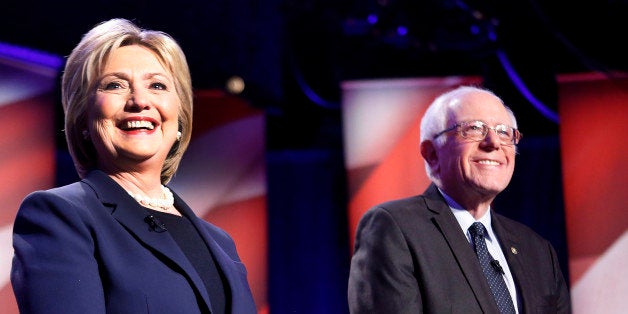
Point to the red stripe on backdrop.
(27, 156)
(7, 301)
(593, 123)
(593, 145)
(400, 174)
(27, 151)
(246, 222)
(213, 108)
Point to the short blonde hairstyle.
(83, 68)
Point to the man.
(420, 254)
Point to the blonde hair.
(83, 68)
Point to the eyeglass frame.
(516, 137)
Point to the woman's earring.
(85, 134)
(178, 135)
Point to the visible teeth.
(140, 124)
(488, 162)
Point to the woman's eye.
(159, 86)
(113, 86)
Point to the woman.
(119, 241)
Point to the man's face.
(469, 168)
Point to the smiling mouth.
(489, 162)
(137, 125)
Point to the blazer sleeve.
(564, 297)
(381, 276)
(54, 269)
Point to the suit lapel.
(131, 215)
(460, 248)
(510, 245)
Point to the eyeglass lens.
(477, 130)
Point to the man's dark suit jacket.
(411, 256)
(86, 248)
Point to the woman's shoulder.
(75, 192)
(215, 231)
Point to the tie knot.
(477, 229)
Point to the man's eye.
(503, 130)
(474, 127)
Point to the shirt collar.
(464, 218)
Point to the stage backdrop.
(27, 142)
(594, 119)
(381, 134)
(381, 121)
(223, 178)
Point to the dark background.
(293, 55)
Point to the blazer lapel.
(223, 260)
(132, 216)
(460, 248)
(510, 245)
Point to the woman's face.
(133, 121)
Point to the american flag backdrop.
(27, 141)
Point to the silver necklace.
(163, 203)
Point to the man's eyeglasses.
(477, 131)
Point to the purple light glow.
(29, 55)
(402, 30)
(372, 19)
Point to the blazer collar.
(133, 217)
(445, 221)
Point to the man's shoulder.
(404, 202)
(510, 223)
(517, 228)
(402, 208)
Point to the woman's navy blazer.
(88, 247)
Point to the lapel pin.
(514, 250)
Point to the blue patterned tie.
(494, 277)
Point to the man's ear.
(428, 151)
